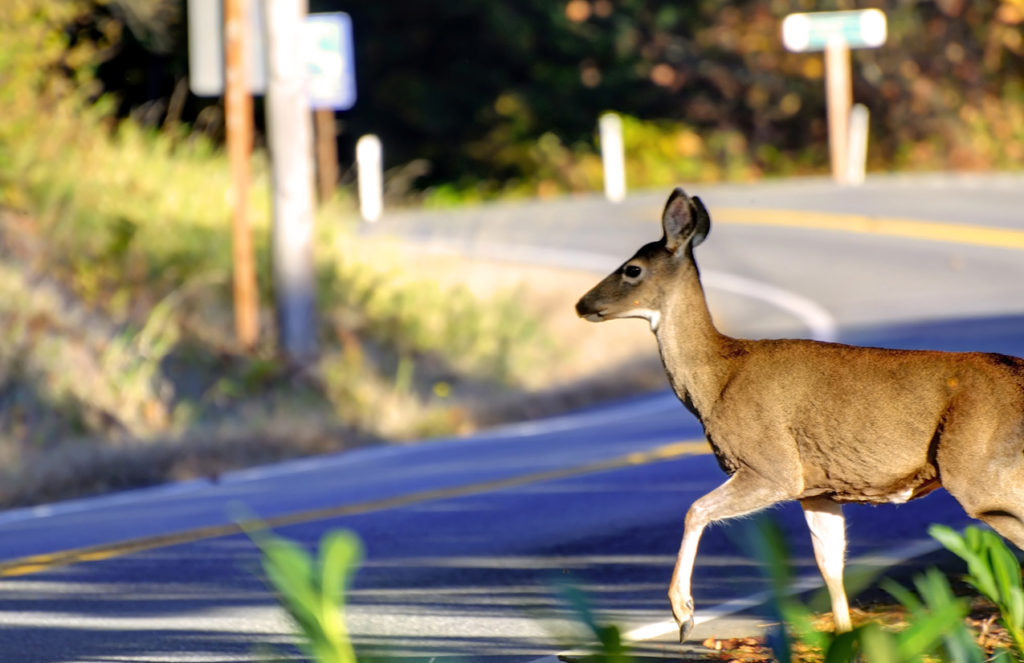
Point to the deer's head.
(639, 288)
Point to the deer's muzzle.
(588, 310)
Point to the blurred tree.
(473, 86)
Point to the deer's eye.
(633, 271)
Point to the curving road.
(468, 539)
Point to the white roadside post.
(857, 155)
(370, 169)
(838, 99)
(836, 33)
(613, 157)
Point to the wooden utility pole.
(239, 120)
(326, 153)
(290, 140)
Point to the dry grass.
(982, 621)
(287, 414)
(592, 362)
(118, 365)
(90, 468)
(549, 294)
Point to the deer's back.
(862, 424)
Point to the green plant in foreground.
(609, 647)
(313, 594)
(994, 571)
(313, 591)
(936, 618)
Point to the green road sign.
(813, 31)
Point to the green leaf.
(1002, 655)
(1015, 608)
(612, 649)
(771, 548)
(981, 575)
(341, 553)
(962, 647)
(941, 622)
(1006, 569)
(906, 598)
(844, 648)
(801, 623)
(926, 632)
(877, 645)
(973, 537)
(290, 570)
(968, 547)
(937, 617)
(934, 589)
(951, 540)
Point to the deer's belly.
(875, 490)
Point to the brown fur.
(812, 421)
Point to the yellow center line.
(936, 231)
(39, 563)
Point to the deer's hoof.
(684, 629)
(683, 614)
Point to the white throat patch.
(650, 315)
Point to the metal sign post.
(836, 33)
(303, 63)
(290, 141)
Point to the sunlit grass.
(116, 303)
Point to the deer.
(822, 423)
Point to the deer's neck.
(695, 355)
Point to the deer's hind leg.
(828, 534)
(1002, 510)
(987, 478)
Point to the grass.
(117, 356)
(398, 358)
(118, 365)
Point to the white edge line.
(821, 324)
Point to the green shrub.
(312, 591)
(994, 571)
(936, 618)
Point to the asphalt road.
(467, 540)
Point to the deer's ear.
(702, 220)
(685, 221)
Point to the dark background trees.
(470, 86)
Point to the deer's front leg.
(744, 492)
